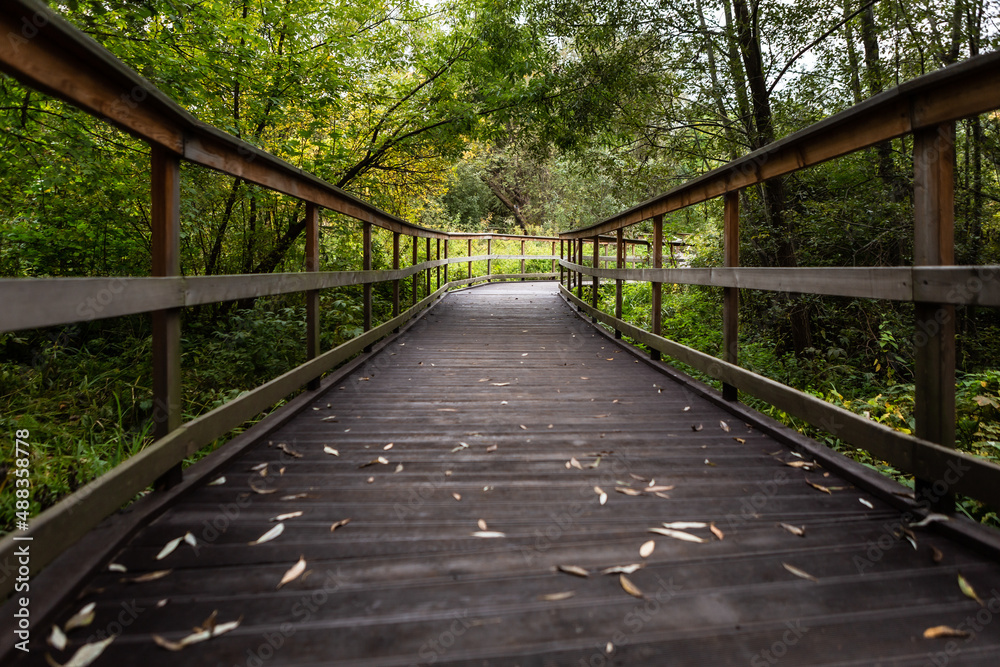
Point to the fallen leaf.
(574, 570)
(218, 481)
(629, 587)
(596, 462)
(259, 467)
(622, 569)
(740, 440)
(936, 554)
(799, 573)
(370, 480)
(684, 525)
(461, 445)
(600, 492)
(381, 460)
(794, 530)
(488, 533)
(456, 496)
(866, 503)
(555, 597)
(269, 535)
(331, 418)
(800, 464)
(647, 548)
(523, 427)
(716, 531)
(116, 567)
(190, 539)
(293, 572)
(481, 524)
(169, 547)
(81, 618)
(143, 578)
(576, 464)
(930, 518)
(819, 487)
(661, 495)
(57, 639)
(338, 524)
(637, 477)
(295, 496)
(261, 490)
(724, 426)
(491, 448)
(500, 384)
(289, 515)
(288, 450)
(628, 492)
(387, 447)
(200, 634)
(655, 489)
(939, 631)
(399, 468)
(676, 534)
(968, 590)
(696, 427)
(86, 654)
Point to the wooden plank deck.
(513, 373)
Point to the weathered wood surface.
(407, 583)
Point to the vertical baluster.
(731, 295)
(415, 279)
(165, 196)
(446, 257)
(619, 264)
(934, 338)
(522, 260)
(562, 269)
(596, 284)
(489, 262)
(579, 275)
(469, 254)
(438, 268)
(312, 296)
(657, 287)
(395, 283)
(427, 255)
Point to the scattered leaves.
(269, 535)
(296, 496)
(575, 570)
(799, 573)
(629, 587)
(939, 631)
(499, 384)
(740, 440)
(116, 567)
(293, 572)
(647, 549)
(461, 446)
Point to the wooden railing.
(46, 53)
(925, 108)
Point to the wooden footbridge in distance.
(502, 473)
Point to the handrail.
(926, 108)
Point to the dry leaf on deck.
(696, 427)
(288, 450)
(169, 547)
(629, 587)
(647, 548)
(491, 448)
(387, 447)
(939, 631)
(208, 630)
(294, 572)
(330, 450)
(488, 533)
(936, 554)
(799, 573)
(716, 531)
(724, 426)
(289, 515)
(85, 655)
(576, 464)
(218, 481)
(794, 530)
(57, 639)
(684, 525)
(622, 569)
(658, 488)
(574, 570)
(456, 496)
(555, 597)
(261, 490)
(677, 534)
(968, 590)
(481, 524)
(819, 487)
(81, 618)
(143, 578)
(628, 492)
(338, 524)
(269, 535)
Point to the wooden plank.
(60, 526)
(965, 89)
(952, 470)
(731, 295)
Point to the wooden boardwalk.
(487, 402)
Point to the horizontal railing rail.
(925, 108)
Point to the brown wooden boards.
(487, 403)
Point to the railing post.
(553, 270)
(731, 295)
(438, 271)
(595, 289)
(427, 253)
(522, 260)
(579, 275)
(934, 337)
(562, 269)
(619, 264)
(312, 296)
(657, 287)
(395, 283)
(446, 257)
(489, 262)
(415, 278)
(366, 234)
(469, 254)
(165, 199)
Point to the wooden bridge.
(495, 476)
